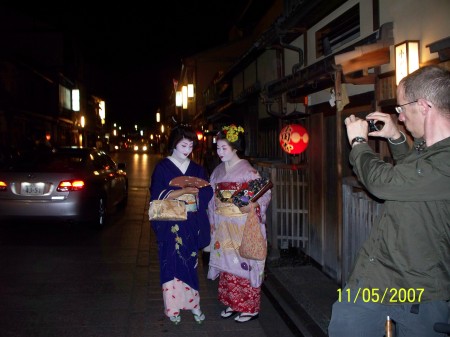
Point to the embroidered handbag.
(253, 245)
(167, 210)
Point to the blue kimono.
(180, 241)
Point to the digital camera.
(372, 126)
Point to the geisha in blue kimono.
(179, 242)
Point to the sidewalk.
(157, 324)
(304, 293)
(214, 325)
(301, 294)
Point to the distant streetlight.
(75, 99)
(102, 111)
(179, 98)
(184, 90)
(190, 90)
(81, 135)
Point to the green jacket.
(408, 248)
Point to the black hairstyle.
(238, 145)
(180, 132)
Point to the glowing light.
(294, 139)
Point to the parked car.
(68, 183)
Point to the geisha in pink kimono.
(240, 279)
(180, 241)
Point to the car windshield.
(47, 161)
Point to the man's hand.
(356, 127)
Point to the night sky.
(136, 48)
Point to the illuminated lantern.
(294, 139)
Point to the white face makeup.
(225, 151)
(183, 149)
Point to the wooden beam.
(368, 79)
(360, 59)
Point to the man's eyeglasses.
(399, 108)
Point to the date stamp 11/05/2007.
(375, 295)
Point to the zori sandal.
(246, 317)
(199, 318)
(175, 319)
(228, 312)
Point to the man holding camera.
(404, 265)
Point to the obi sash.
(223, 197)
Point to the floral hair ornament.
(232, 132)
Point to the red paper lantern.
(294, 139)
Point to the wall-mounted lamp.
(158, 117)
(190, 90)
(406, 59)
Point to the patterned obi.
(191, 202)
(223, 197)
